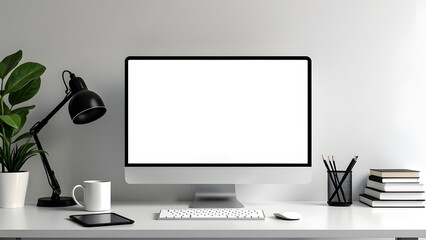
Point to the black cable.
(67, 90)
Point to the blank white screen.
(217, 111)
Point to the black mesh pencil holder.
(339, 185)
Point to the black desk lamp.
(85, 106)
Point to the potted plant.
(16, 148)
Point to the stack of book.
(393, 188)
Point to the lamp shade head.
(85, 107)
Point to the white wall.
(368, 77)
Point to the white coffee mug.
(97, 195)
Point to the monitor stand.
(216, 196)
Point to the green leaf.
(13, 158)
(23, 109)
(13, 120)
(10, 131)
(22, 75)
(4, 137)
(9, 63)
(22, 154)
(23, 136)
(3, 69)
(25, 93)
(22, 112)
(4, 110)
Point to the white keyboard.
(212, 214)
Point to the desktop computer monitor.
(217, 121)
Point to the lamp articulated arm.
(85, 106)
(54, 184)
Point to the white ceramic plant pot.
(13, 189)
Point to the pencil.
(330, 175)
(348, 170)
(337, 179)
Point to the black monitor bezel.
(309, 150)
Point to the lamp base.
(62, 202)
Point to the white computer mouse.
(288, 215)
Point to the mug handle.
(73, 194)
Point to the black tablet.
(100, 219)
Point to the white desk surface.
(318, 220)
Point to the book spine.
(404, 173)
(395, 187)
(405, 196)
(374, 202)
(376, 178)
(393, 179)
